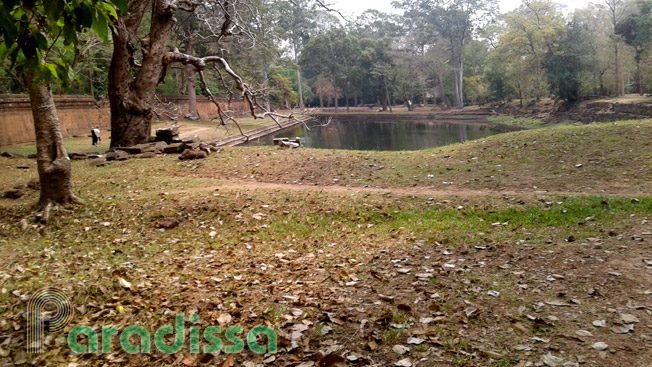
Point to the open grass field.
(523, 249)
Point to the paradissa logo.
(212, 342)
(50, 309)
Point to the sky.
(355, 7)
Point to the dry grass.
(257, 251)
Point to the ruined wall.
(205, 107)
(78, 114)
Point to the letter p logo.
(48, 309)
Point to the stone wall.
(78, 114)
(205, 107)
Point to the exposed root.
(45, 207)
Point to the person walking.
(95, 134)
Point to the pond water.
(379, 135)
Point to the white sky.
(355, 7)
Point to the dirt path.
(203, 133)
(408, 191)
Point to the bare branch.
(248, 94)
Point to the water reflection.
(374, 135)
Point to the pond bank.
(459, 117)
(385, 132)
(261, 132)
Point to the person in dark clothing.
(95, 134)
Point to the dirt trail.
(398, 191)
(203, 133)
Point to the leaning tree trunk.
(131, 97)
(54, 167)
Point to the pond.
(382, 135)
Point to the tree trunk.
(130, 101)
(299, 86)
(321, 98)
(54, 167)
(639, 77)
(346, 97)
(459, 78)
(441, 91)
(335, 96)
(389, 100)
(266, 84)
(595, 83)
(90, 80)
(192, 78)
(619, 89)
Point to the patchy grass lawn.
(513, 260)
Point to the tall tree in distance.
(617, 10)
(455, 21)
(295, 23)
(636, 31)
(564, 62)
(30, 30)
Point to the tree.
(617, 9)
(636, 31)
(296, 22)
(455, 21)
(30, 30)
(593, 20)
(529, 33)
(324, 88)
(564, 63)
(282, 92)
(333, 54)
(133, 78)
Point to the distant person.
(95, 134)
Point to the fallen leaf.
(123, 283)
(224, 319)
(600, 346)
(404, 363)
(228, 362)
(333, 360)
(400, 349)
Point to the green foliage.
(283, 92)
(30, 30)
(564, 63)
(636, 29)
(475, 89)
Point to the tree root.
(42, 213)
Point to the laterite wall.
(78, 114)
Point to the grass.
(332, 250)
(525, 160)
(206, 130)
(528, 123)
